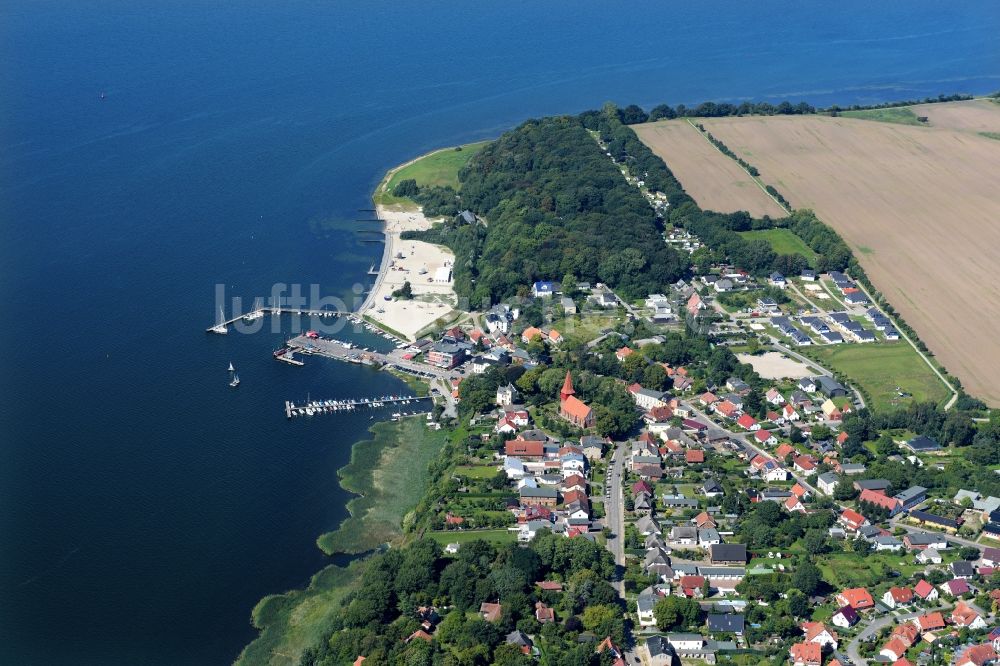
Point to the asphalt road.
(614, 506)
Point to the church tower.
(567, 389)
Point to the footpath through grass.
(389, 473)
(880, 368)
(783, 241)
(436, 168)
(901, 115)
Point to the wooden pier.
(222, 326)
(315, 407)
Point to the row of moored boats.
(314, 407)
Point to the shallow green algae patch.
(439, 167)
(389, 475)
(292, 622)
(389, 472)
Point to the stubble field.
(918, 205)
(721, 184)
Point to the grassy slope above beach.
(439, 167)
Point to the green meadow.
(783, 241)
(880, 368)
(901, 115)
(440, 167)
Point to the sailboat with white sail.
(220, 327)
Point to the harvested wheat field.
(919, 206)
(976, 115)
(721, 184)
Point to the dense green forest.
(377, 619)
(555, 206)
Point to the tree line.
(376, 619)
(634, 114)
(980, 447)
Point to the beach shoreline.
(427, 267)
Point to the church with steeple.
(572, 408)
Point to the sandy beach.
(424, 265)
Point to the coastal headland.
(427, 267)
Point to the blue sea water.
(145, 506)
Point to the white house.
(657, 301)
(505, 426)
(684, 535)
(827, 483)
(764, 437)
(686, 641)
(647, 399)
(887, 542)
(513, 467)
(543, 289)
(897, 596)
(929, 556)
(816, 632)
(518, 417)
(527, 531)
(645, 603)
(893, 650)
(776, 474)
(964, 615)
(506, 395)
(573, 465)
(845, 618)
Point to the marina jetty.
(221, 326)
(416, 405)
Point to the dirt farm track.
(920, 207)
